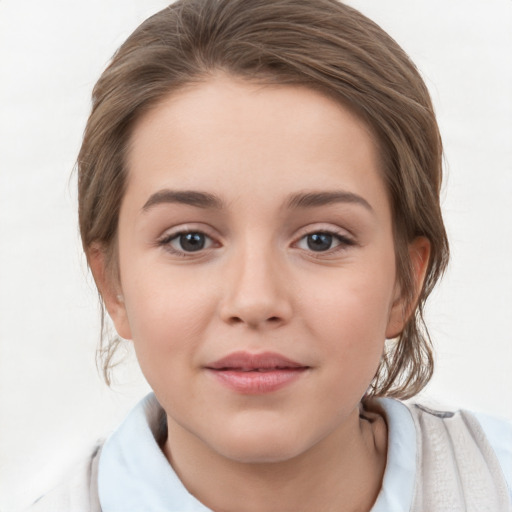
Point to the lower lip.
(255, 383)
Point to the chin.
(261, 447)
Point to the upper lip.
(245, 361)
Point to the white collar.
(134, 474)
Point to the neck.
(343, 471)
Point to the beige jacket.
(457, 470)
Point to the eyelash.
(167, 239)
(343, 242)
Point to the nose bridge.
(256, 292)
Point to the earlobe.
(403, 307)
(110, 290)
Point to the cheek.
(167, 315)
(351, 315)
(354, 304)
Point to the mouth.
(248, 373)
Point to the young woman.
(259, 205)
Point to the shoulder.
(79, 493)
(474, 447)
(490, 431)
(499, 435)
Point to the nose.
(257, 293)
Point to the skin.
(257, 286)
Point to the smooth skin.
(255, 219)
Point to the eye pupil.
(192, 241)
(319, 241)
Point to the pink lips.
(256, 373)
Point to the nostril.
(235, 320)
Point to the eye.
(323, 241)
(187, 242)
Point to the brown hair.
(321, 44)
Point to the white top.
(134, 474)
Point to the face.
(257, 265)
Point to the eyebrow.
(188, 197)
(295, 201)
(314, 199)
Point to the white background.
(53, 404)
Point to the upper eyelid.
(176, 234)
(323, 228)
(344, 240)
(187, 228)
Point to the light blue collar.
(397, 489)
(134, 474)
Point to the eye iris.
(192, 241)
(319, 241)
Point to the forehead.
(229, 136)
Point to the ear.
(402, 308)
(110, 290)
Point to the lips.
(249, 373)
